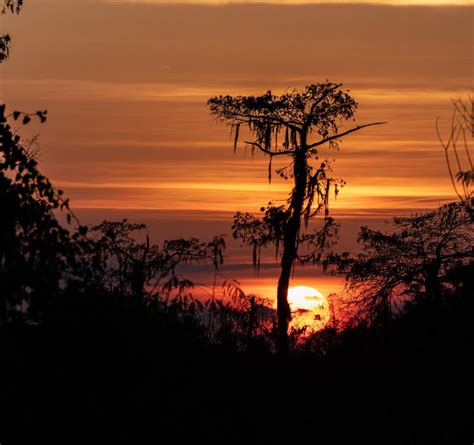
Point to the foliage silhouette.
(13, 6)
(296, 124)
(36, 251)
(145, 270)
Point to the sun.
(309, 308)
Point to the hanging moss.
(236, 137)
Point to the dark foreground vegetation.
(102, 341)
(123, 375)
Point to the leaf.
(26, 120)
(42, 116)
(16, 115)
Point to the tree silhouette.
(147, 271)
(13, 6)
(296, 124)
(415, 263)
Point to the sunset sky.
(129, 134)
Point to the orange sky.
(126, 88)
(297, 2)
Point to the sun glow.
(309, 308)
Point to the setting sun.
(309, 307)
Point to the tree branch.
(269, 152)
(345, 133)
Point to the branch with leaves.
(14, 7)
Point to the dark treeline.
(102, 340)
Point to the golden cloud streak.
(79, 90)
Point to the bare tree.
(457, 145)
(296, 124)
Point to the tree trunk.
(290, 241)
